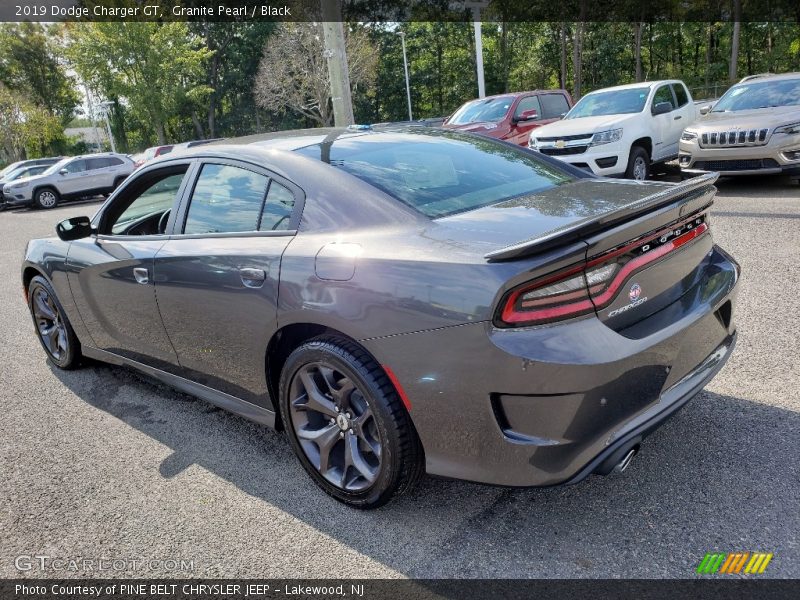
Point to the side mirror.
(528, 115)
(63, 172)
(662, 108)
(704, 110)
(75, 228)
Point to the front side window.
(663, 94)
(226, 199)
(75, 166)
(531, 102)
(145, 209)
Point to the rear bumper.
(547, 405)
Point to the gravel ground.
(103, 463)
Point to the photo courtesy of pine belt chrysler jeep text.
(401, 300)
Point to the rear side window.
(226, 199)
(278, 208)
(680, 94)
(553, 105)
(96, 163)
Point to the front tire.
(46, 198)
(53, 328)
(347, 424)
(638, 164)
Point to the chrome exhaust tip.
(626, 461)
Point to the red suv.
(511, 116)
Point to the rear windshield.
(764, 94)
(440, 173)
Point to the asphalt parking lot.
(104, 463)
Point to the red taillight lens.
(582, 288)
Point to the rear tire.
(638, 164)
(347, 424)
(46, 198)
(53, 328)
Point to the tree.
(155, 68)
(737, 18)
(293, 72)
(31, 64)
(26, 130)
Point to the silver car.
(70, 178)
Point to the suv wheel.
(46, 198)
(347, 424)
(638, 164)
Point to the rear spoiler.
(687, 191)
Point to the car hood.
(759, 118)
(587, 125)
(32, 178)
(498, 225)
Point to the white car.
(620, 131)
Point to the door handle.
(253, 278)
(678, 117)
(141, 275)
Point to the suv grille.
(735, 165)
(732, 139)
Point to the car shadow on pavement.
(720, 475)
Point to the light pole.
(476, 17)
(106, 105)
(402, 35)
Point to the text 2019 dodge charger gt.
(401, 301)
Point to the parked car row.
(156, 151)
(625, 130)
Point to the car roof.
(630, 86)
(770, 77)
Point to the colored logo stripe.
(732, 563)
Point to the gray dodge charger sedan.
(400, 301)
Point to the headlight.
(17, 186)
(688, 136)
(791, 128)
(606, 137)
(532, 142)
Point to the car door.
(217, 275)
(99, 173)
(520, 130)
(665, 125)
(72, 177)
(684, 108)
(111, 273)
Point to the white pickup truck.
(620, 131)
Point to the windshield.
(477, 111)
(764, 94)
(613, 102)
(8, 169)
(57, 166)
(440, 172)
(22, 171)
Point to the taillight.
(583, 288)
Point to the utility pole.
(476, 6)
(335, 53)
(402, 35)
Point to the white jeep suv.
(620, 131)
